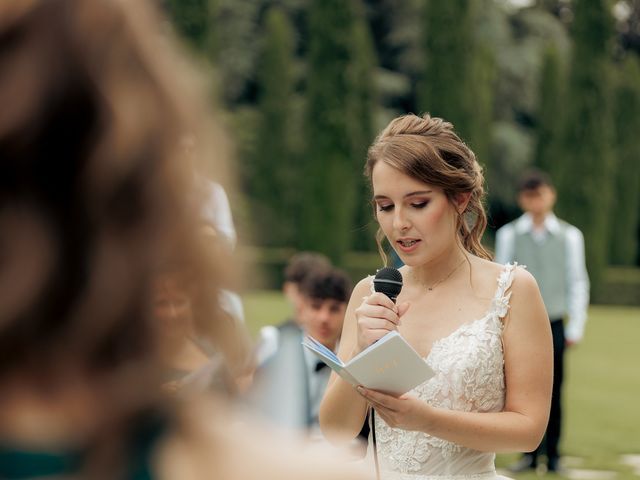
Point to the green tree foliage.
(480, 123)
(626, 221)
(272, 170)
(328, 183)
(549, 118)
(458, 79)
(362, 110)
(193, 19)
(445, 89)
(237, 41)
(585, 181)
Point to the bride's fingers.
(378, 399)
(377, 323)
(371, 336)
(380, 299)
(364, 312)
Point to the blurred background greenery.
(305, 84)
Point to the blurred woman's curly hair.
(96, 196)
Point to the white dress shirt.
(317, 383)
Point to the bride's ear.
(461, 200)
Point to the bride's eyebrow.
(410, 194)
(419, 192)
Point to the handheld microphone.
(388, 280)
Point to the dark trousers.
(549, 445)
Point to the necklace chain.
(434, 285)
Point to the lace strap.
(371, 286)
(500, 303)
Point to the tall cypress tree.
(549, 118)
(272, 171)
(483, 71)
(328, 184)
(193, 19)
(362, 110)
(445, 89)
(626, 218)
(587, 168)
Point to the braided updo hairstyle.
(426, 148)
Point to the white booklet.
(390, 365)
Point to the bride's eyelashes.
(389, 207)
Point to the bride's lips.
(408, 245)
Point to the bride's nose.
(401, 220)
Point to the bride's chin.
(408, 261)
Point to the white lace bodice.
(469, 366)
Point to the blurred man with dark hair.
(291, 382)
(299, 267)
(324, 294)
(553, 251)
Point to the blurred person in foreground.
(553, 252)
(477, 324)
(93, 208)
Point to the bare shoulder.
(526, 304)
(486, 274)
(363, 288)
(522, 279)
(489, 274)
(524, 284)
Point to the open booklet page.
(389, 365)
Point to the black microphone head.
(388, 280)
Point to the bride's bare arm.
(369, 316)
(343, 410)
(528, 366)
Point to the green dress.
(21, 464)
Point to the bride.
(482, 327)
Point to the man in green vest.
(553, 251)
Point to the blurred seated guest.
(300, 266)
(92, 210)
(180, 352)
(218, 227)
(290, 384)
(190, 365)
(324, 297)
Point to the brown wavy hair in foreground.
(426, 148)
(96, 199)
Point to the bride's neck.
(438, 269)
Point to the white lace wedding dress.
(469, 368)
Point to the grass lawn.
(602, 386)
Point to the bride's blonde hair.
(427, 149)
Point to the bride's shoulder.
(517, 276)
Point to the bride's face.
(418, 219)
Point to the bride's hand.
(406, 412)
(377, 315)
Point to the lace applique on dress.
(469, 367)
